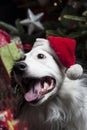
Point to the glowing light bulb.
(55, 4)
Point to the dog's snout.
(20, 67)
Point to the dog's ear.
(44, 45)
(40, 42)
(14, 86)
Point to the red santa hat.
(65, 50)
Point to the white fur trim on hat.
(74, 72)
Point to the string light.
(55, 4)
(59, 18)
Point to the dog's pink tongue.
(33, 93)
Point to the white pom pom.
(74, 72)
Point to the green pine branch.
(84, 13)
(9, 28)
(75, 18)
(60, 32)
(77, 34)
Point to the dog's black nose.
(20, 67)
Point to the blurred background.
(67, 18)
(22, 21)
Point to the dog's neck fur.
(59, 112)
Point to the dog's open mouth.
(37, 88)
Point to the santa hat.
(65, 50)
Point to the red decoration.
(27, 47)
(6, 120)
(4, 38)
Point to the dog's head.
(40, 74)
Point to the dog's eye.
(41, 56)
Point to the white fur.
(65, 107)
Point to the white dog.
(53, 89)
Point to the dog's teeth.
(51, 86)
(45, 86)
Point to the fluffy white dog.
(52, 86)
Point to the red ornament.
(27, 47)
(6, 120)
(4, 38)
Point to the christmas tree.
(51, 17)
